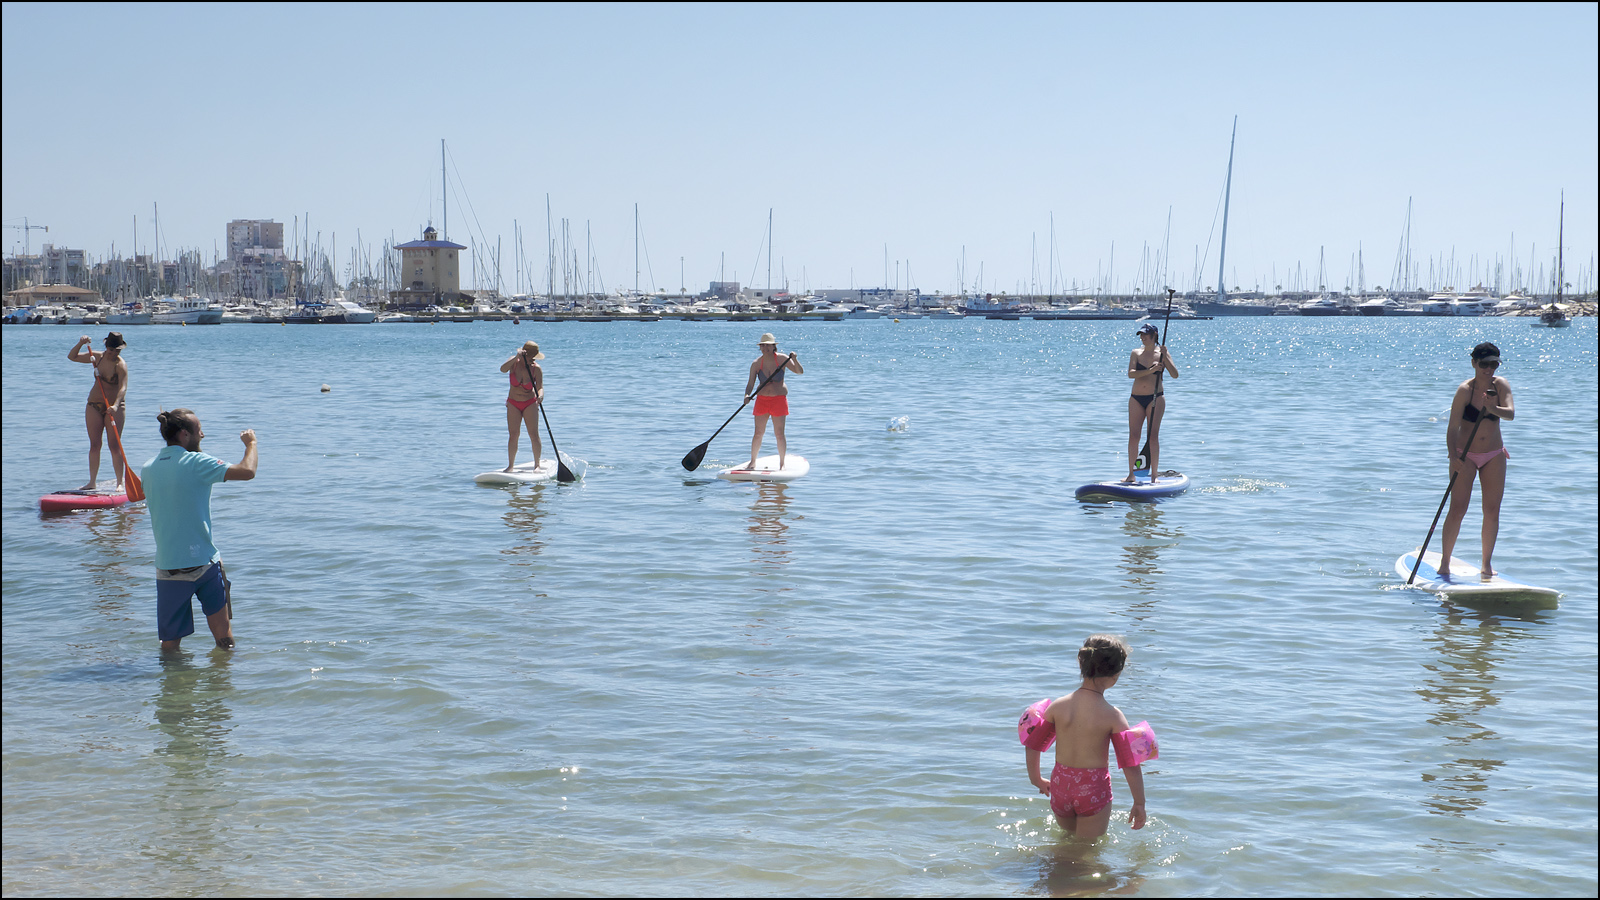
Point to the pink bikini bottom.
(1079, 792)
(1479, 460)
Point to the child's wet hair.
(1102, 655)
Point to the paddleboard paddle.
(563, 474)
(693, 458)
(1454, 473)
(1143, 460)
(130, 481)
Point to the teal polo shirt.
(177, 490)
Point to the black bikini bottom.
(1146, 399)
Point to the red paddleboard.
(65, 500)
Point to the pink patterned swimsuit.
(1079, 792)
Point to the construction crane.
(25, 228)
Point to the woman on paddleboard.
(522, 404)
(1146, 366)
(1480, 404)
(772, 398)
(106, 400)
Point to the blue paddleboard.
(1171, 484)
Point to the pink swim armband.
(1034, 730)
(1135, 745)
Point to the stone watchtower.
(430, 271)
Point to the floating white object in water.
(326, 389)
(899, 423)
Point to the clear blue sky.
(923, 128)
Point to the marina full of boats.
(346, 310)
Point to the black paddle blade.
(564, 474)
(691, 460)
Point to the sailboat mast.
(1561, 243)
(1407, 281)
(636, 248)
(1227, 195)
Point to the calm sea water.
(654, 682)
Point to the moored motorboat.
(190, 310)
(1441, 304)
(1321, 306)
(133, 313)
(1378, 306)
(307, 314)
(1230, 308)
(353, 313)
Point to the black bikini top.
(1470, 414)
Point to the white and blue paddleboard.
(1465, 582)
(1170, 484)
(528, 473)
(766, 469)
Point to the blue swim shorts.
(174, 612)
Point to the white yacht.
(273, 314)
(48, 314)
(190, 310)
(1321, 306)
(862, 311)
(1440, 304)
(129, 314)
(353, 312)
(1378, 306)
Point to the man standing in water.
(177, 486)
(772, 398)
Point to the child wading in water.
(1080, 786)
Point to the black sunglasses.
(1488, 363)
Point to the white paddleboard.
(1466, 583)
(522, 473)
(527, 473)
(767, 470)
(1170, 484)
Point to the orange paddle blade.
(130, 481)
